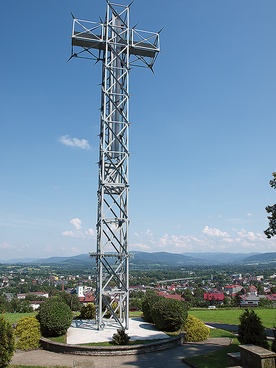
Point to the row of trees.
(55, 317)
(23, 305)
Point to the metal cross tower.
(118, 47)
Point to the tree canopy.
(271, 210)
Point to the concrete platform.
(85, 331)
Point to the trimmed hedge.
(169, 314)
(147, 303)
(195, 330)
(55, 317)
(28, 333)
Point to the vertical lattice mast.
(118, 47)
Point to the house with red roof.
(170, 296)
(214, 296)
(87, 298)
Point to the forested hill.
(163, 259)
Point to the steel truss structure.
(118, 47)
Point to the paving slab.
(172, 358)
(85, 331)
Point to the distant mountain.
(79, 259)
(18, 260)
(158, 259)
(221, 258)
(261, 258)
(162, 259)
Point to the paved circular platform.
(85, 331)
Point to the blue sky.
(201, 142)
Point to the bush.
(88, 311)
(54, 317)
(107, 312)
(28, 333)
(7, 343)
(195, 330)
(147, 304)
(169, 314)
(273, 345)
(121, 337)
(251, 330)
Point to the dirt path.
(162, 359)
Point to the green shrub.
(273, 345)
(195, 330)
(169, 314)
(54, 317)
(251, 330)
(88, 311)
(121, 337)
(28, 333)
(147, 303)
(114, 306)
(7, 342)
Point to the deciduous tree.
(271, 210)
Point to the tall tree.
(271, 210)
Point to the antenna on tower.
(118, 47)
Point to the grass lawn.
(231, 316)
(15, 317)
(219, 358)
(133, 314)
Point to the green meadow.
(231, 316)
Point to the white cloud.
(75, 142)
(209, 240)
(90, 232)
(5, 245)
(249, 236)
(213, 232)
(70, 234)
(141, 246)
(77, 232)
(76, 222)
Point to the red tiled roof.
(87, 299)
(214, 296)
(169, 296)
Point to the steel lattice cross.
(118, 47)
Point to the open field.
(227, 316)
(15, 317)
(231, 316)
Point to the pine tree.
(251, 330)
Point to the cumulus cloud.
(210, 239)
(74, 142)
(76, 222)
(70, 234)
(249, 236)
(77, 231)
(213, 232)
